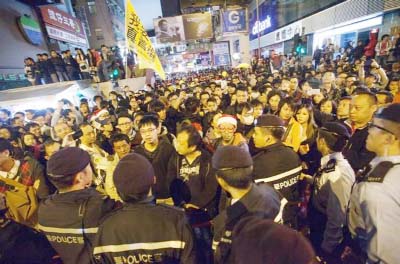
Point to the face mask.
(255, 95)
(248, 120)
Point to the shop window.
(99, 33)
(92, 7)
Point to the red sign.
(56, 17)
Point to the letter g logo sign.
(233, 17)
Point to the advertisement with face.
(169, 29)
(198, 26)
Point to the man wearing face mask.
(245, 116)
(71, 217)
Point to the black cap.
(337, 129)
(67, 161)
(269, 121)
(390, 113)
(229, 157)
(133, 175)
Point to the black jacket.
(145, 232)
(356, 152)
(70, 221)
(203, 187)
(260, 199)
(279, 166)
(20, 244)
(159, 159)
(59, 64)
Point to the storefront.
(63, 30)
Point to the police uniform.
(375, 213)
(258, 199)
(142, 231)
(279, 166)
(153, 234)
(70, 220)
(332, 188)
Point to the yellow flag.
(138, 40)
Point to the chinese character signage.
(66, 36)
(234, 20)
(59, 18)
(288, 32)
(198, 26)
(138, 40)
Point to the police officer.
(234, 174)
(277, 164)
(374, 205)
(70, 217)
(142, 231)
(332, 187)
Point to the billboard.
(198, 26)
(234, 20)
(60, 34)
(169, 29)
(221, 53)
(268, 19)
(60, 19)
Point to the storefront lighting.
(341, 29)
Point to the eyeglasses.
(371, 125)
(226, 129)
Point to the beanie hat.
(229, 157)
(67, 161)
(134, 175)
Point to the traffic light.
(300, 49)
(115, 74)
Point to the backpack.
(22, 203)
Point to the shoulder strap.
(379, 172)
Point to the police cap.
(134, 175)
(269, 121)
(390, 113)
(337, 129)
(230, 157)
(67, 161)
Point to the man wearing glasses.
(374, 211)
(158, 152)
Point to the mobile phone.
(77, 134)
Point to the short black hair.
(149, 119)
(389, 96)
(194, 137)
(239, 178)
(5, 144)
(156, 106)
(192, 104)
(119, 137)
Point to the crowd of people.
(96, 66)
(246, 165)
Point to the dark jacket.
(159, 159)
(279, 166)
(59, 64)
(203, 186)
(48, 66)
(356, 152)
(20, 244)
(154, 233)
(260, 198)
(70, 221)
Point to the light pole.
(258, 31)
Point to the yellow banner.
(138, 40)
